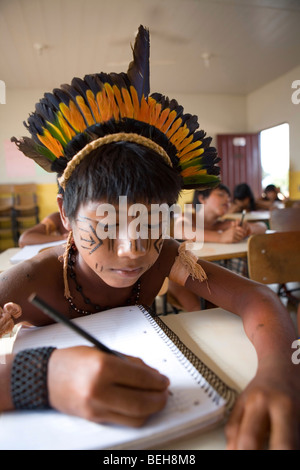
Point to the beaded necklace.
(132, 300)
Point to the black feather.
(139, 70)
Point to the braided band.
(121, 136)
(29, 388)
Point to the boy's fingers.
(284, 429)
(134, 373)
(248, 425)
(132, 403)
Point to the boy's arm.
(271, 402)
(21, 280)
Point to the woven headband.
(120, 137)
(75, 119)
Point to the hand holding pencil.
(97, 384)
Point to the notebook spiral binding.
(212, 384)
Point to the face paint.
(119, 261)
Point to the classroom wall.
(272, 105)
(13, 169)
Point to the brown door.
(240, 160)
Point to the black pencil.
(60, 318)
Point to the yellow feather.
(163, 117)
(57, 130)
(51, 143)
(144, 111)
(193, 170)
(73, 116)
(120, 101)
(135, 102)
(66, 129)
(174, 127)
(190, 147)
(190, 155)
(180, 140)
(169, 121)
(85, 111)
(127, 102)
(93, 105)
(114, 109)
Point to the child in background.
(216, 203)
(243, 198)
(270, 199)
(50, 229)
(136, 148)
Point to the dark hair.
(270, 187)
(207, 192)
(121, 169)
(241, 192)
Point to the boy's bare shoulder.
(41, 274)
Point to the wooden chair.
(6, 215)
(25, 208)
(274, 258)
(285, 220)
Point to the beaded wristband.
(29, 379)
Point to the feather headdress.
(69, 121)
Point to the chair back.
(274, 258)
(285, 220)
(25, 197)
(6, 198)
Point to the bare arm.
(49, 230)
(271, 402)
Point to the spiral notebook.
(198, 400)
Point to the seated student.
(102, 162)
(270, 199)
(243, 198)
(49, 229)
(216, 203)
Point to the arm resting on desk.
(271, 402)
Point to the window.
(275, 157)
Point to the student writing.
(136, 148)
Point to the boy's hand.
(267, 414)
(100, 387)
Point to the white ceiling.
(251, 42)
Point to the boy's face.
(116, 244)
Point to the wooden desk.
(218, 251)
(23, 253)
(254, 216)
(5, 258)
(209, 252)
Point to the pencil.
(60, 318)
(242, 218)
